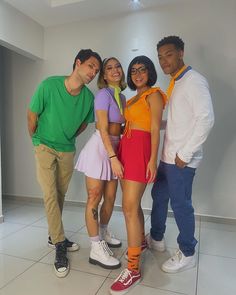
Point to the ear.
(78, 62)
(181, 54)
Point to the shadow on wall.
(215, 181)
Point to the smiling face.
(88, 69)
(139, 75)
(113, 72)
(170, 59)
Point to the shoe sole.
(180, 269)
(96, 262)
(125, 291)
(61, 274)
(69, 249)
(114, 245)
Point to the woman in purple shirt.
(99, 163)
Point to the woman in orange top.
(138, 154)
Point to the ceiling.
(54, 12)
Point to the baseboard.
(147, 211)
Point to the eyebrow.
(143, 66)
(168, 51)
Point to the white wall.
(20, 33)
(207, 29)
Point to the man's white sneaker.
(100, 254)
(111, 240)
(179, 262)
(159, 246)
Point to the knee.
(94, 195)
(110, 199)
(129, 211)
(182, 206)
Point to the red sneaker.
(125, 281)
(144, 246)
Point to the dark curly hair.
(175, 40)
(85, 54)
(152, 74)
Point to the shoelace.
(61, 258)
(123, 276)
(106, 249)
(177, 256)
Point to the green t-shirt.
(60, 114)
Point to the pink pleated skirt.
(93, 159)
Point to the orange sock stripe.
(133, 258)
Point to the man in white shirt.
(190, 119)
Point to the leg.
(108, 201)
(65, 167)
(46, 160)
(100, 254)
(141, 218)
(95, 191)
(46, 163)
(131, 203)
(106, 212)
(160, 196)
(180, 187)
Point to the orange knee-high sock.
(133, 258)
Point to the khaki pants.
(54, 171)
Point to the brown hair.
(102, 83)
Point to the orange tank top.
(139, 112)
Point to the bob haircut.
(101, 82)
(152, 74)
(85, 54)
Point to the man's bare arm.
(81, 128)
(32, 119)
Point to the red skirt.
(134, 152)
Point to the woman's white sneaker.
(101, 255)
(179, 262)
(111, 240)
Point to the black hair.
(175, 40)
(152, 74)
(85, 54)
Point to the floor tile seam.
(8, 283)
(37, 220)
(31, 223)
(46, 227)
(76, 269)
(19, 257)
(10, 209)
(14, 232)
(80, 229)
(219, 230)
(214, 255)
(101, 286)
(174, 292)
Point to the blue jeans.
(174, 184)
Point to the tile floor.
(26, 261)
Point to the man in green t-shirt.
(60, 110)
